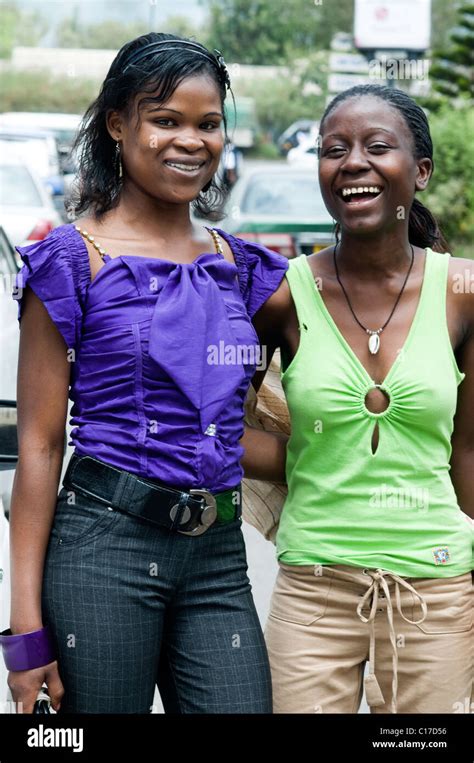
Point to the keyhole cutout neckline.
(381, 395)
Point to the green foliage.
(7, 31)
(107, 35)
(41, 91)
(113, 34)
(264, 148)
(282, 100)
(452, 72)
(450, 196)
(274, 31)
(461, 248)
(19, 28)
(265, 33)
(181, 26)
(443, 17)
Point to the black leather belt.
(190, 512)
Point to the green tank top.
(396, 508)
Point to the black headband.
(216, 59)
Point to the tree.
(443, 18)
(264, 32)
(451, 71)
(106, 35)
(181, 26)
(7, 32)
(450, 194)
(19, 28)
(42, 91)
(297, 93)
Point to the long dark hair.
(423, 229)
(98, 186)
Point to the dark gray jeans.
(132, 605)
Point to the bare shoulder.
(320, 263)
(461, 285)
(461, 272)
(273, 318)
(278, 304)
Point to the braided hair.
(423, 229)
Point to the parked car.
(38, 149)
(280, 207)
(63, 126)
(304, 155)
(27, 213)
(293, 134)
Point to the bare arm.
(265, 455)
(42, 394)
(462, 458)
(265, 452)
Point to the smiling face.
(176, 147)
(367, 169)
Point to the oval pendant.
(374, 343)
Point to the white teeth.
(361, 189)
(185, 167)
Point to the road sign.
(348, 62)
(388, 24)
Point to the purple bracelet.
(26, 651)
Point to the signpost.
(392, 25)
(389, 32)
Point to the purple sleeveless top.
(162, 353)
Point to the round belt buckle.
(208, 514)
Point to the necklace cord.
(368, 331)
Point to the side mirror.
(8, 435)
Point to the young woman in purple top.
(135, 574)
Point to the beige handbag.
(262, 502)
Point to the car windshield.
(17, 187)
(294, 195)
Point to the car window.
(17, 187)
(284, 195)
(36, 153)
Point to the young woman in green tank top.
(377, 342)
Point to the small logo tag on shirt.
(441, 555)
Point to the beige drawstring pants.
(416, 634)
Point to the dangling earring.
(118, 159)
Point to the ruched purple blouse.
(163, 353)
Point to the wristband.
(26, 651)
